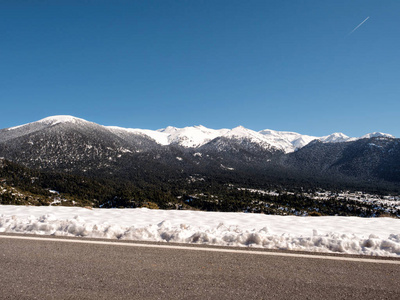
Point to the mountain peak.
(168, 129)
(240, 129)
(336, 137)
(61, 119)
(376, 134)
(50, 121)
(339, 134)
(201, 127)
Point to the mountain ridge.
(239, 155)
(198, 135)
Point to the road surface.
(51, 269)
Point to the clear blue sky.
(283, 65)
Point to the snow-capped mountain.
(69, 142)
(197, 136)
(77, 146)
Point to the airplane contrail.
(358, 25)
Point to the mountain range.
(238, 155)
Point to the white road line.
(223, 250)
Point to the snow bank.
(351, 235)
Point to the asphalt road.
(32, 269)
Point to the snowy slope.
(347, 235)
(158, 137)
(285, 140)
(191, 137)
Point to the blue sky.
(283, 65)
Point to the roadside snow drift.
(350, 235)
